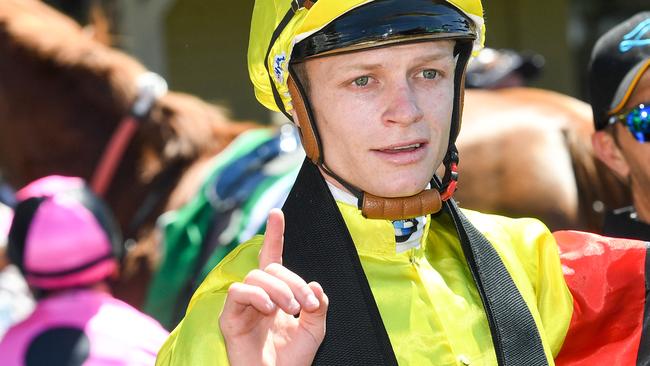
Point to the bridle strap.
(113, 154)
(151, 86)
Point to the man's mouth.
(402, 148)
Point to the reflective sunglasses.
(637, 121)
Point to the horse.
(62, 94)
(96, 17)
(527, 152)
(524, 152)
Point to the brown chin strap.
(427, 202)
(401, 208)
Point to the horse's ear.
(608, 151)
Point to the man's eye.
(361, 81)
(429, 74)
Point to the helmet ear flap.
(308, 131)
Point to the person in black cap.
(619, 78)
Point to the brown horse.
(523, 152)
(527, 152)
(62, 95)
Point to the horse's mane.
(42, 38)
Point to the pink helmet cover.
(65, 245)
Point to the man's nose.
(402, 106)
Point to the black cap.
(618, 60)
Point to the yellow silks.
(426, 297)
(268, 14)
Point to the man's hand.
(258, 322)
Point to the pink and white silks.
(117, 333)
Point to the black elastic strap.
(356, 192)
(318, 247)
(515, 335)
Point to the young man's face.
(384, 115)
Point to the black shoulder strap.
(318, 247)
(514, 333)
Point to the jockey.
(370, 261)
(65, 243)
(619, 78)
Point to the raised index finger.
(273, 239)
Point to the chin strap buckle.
(450, 180)
(453, 182)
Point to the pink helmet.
(62, 235)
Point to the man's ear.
(608, 152)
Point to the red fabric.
(606, 277)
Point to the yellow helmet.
(278, 25)
(285, 32)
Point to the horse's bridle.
(151, 86)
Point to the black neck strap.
(515, 335)
(318, 247)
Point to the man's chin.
(395, 191)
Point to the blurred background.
(200, 46)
